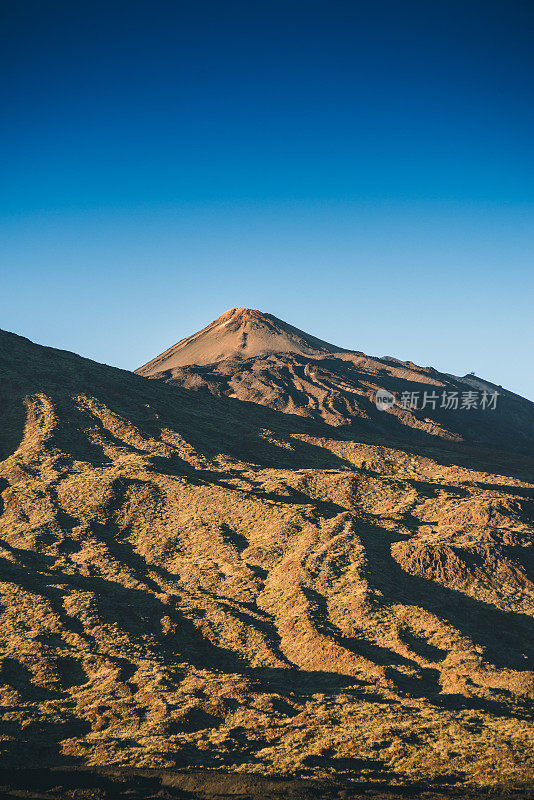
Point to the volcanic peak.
(241, 333)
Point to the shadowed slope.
(189, 580)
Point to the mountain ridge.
(254, 357)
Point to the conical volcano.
(241, 332)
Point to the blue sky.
(362, 170)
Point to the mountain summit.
(243, 332)
(254, 356)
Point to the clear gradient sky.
(363, 170)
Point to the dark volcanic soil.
(109, 784)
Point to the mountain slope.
(189, 580)
(255, 357)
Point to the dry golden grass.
(192, 581)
